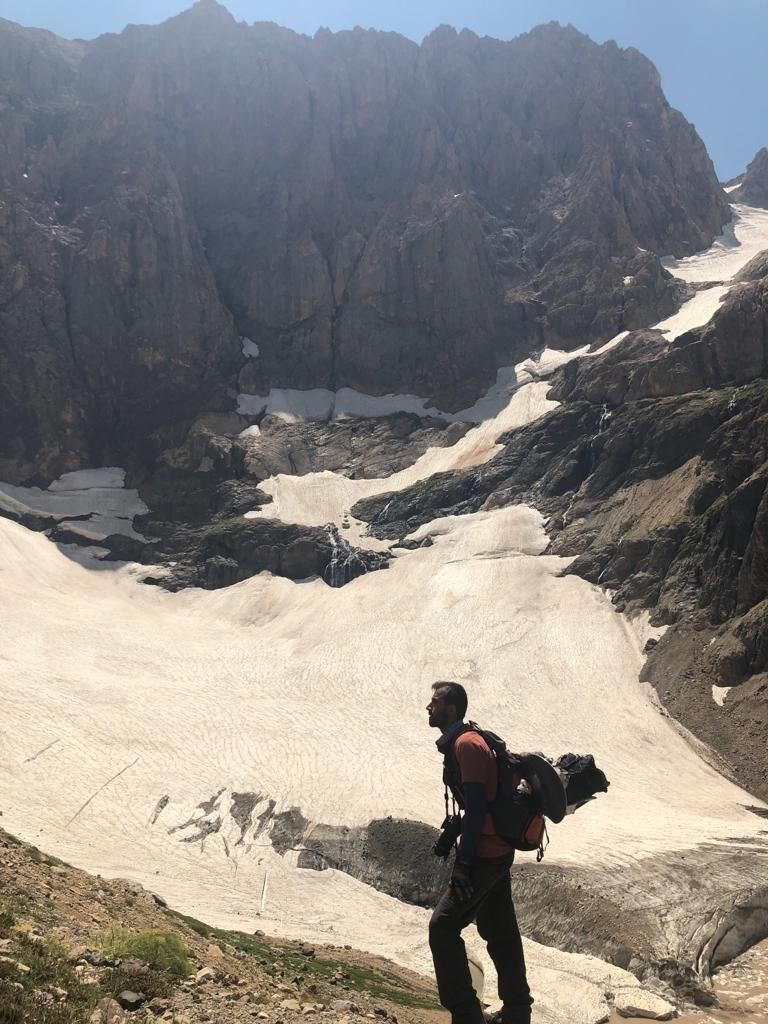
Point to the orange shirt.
(477, 764)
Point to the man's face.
(441, 715)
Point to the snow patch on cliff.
(93, 503)
(743, 238)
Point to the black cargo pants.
(491, 908)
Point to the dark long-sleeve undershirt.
(475, 806)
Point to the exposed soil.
(680, 668)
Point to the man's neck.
(448, 734)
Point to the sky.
(711, 54)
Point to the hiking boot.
(497, 1017)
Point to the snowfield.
(131, 716)
(743, 238)
(117, 695)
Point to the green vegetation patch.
(378, 983)
(38, 857)
(7, 918)
(154, 984)
(36, 1000)
(49, 971)
(384, 985)
(163, 951)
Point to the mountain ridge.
(396, 218)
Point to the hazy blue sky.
(711, 54)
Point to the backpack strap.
(451, 771)
(542, 845)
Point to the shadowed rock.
(371, 230)
(753, 189)
(234, 549)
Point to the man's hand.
(461, 882)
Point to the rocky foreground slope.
(363, 211)
(77, 949)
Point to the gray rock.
(637, 1002)
(206, 974)
(753, 189)
(109, 1011)
(290, 1004)
(131, 1000)
(234, 549)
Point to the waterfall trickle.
(602, 425)
(347, 563)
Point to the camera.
(451, 830)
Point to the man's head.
(448, 704)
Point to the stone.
(129, 1000)
(19, 967)
(342, 1006)
(637, 1002)
(109, 1011)
(307, 950)
(206, 974)
(290, 1004)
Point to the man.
(480, 888)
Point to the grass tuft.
(163, 951)
(7, 918)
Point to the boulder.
(637, 1002)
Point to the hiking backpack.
(516, 810)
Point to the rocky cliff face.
(369, 212)
(753, 188)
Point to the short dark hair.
(454, 694)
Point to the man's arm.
(475, 760)
(472, 826)
(475, 806)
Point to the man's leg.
(497, 925)
(451, 916)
